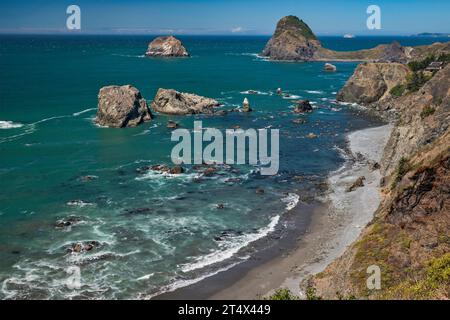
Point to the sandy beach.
(333, 227)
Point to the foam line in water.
(229, 248)
(76, 114)
(10, 125)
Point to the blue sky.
(244, 17)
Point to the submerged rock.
(303, 106)
(260, 191)
(299, 121)
(67, 222)
(121, 106)
(172, 124)
(168, 46)
(169, 101)
(80, 247)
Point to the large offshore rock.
(121, 106)
(292, 40)
(170, 101)
(166, 47)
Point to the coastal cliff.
(294, 40)
(409, 235)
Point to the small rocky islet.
(167, 46)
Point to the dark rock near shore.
(303, 106)
(121, 106)
(169, 101)
(67, 222)
(172, 124)
(168, 46)
(357, 184)
(80, 247)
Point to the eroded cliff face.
(409, 238)
(372, 82)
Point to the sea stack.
(246, 106)
(169, 101)
(330, 67)
(168, 46)
(293, 40)
(121, 106)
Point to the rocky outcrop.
(329, 67)
(292, 40)
(166, 47)
(394, 53)
(408, 238)
(303, 106)
(246, 106)
(121, 106)
(372, 82)
(169, 101)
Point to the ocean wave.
(255, 92)
(79, 203)
(314, 91)
(290, 97)
(177, 284)
(291, 201)
(10, 125)
(76, 114)
(229, 248)
(129, 55)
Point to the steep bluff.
(409, 236)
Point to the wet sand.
(315, 234)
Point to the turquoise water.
(153, 231)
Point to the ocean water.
(154, 232)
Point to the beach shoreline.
(329, 228)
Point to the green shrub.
(416, 80)
(311, 294)
(420, 65)
(427, 111)
(398, 90)
(283, 294)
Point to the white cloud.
(237, 29)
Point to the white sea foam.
(293, 96)
(187, 282)
(314, 91)
(10, 125)
(146, 277)
(76, 114)
(291, 201)
(79, 203)
(230, 247)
